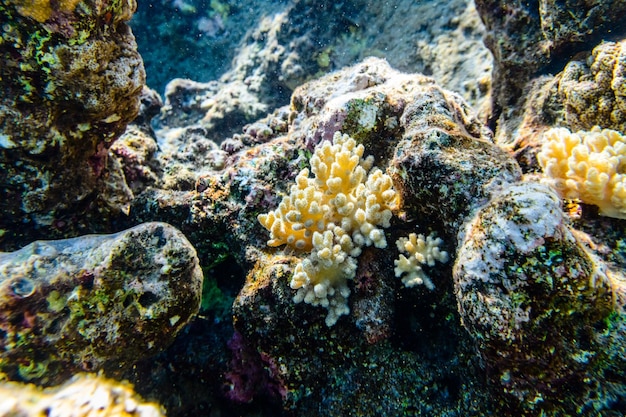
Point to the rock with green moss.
(94, 302)
(70, 81)
(537, 304)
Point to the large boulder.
(94, 302)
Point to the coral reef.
(521, 311)
(443, 165)
(587, 166)
(84, 396)
(586, 96)
(408, 122)
(446, 169)
(94, 302)
(69, 84)
(439, 184)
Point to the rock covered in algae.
(442, 171)
(305, 364)
(69, 83)
(534, 301)
(94, 301)
(83, 396)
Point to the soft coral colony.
(588, 166)
(343, 208)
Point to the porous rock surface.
(94, 302)
(69, 83)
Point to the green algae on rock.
(534, 300)
(94, 302)
(70, 81)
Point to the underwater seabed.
(337, 208)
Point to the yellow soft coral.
(588, 166)
(332, 216)
(422, 251)
(85, 395)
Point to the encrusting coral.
(332, 215)
(588, 166)
(422, 251)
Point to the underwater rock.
(270, 62)
(271, 46)
(456, 56)
(93, 302)
(304, 40)
(534, 301)
(136, 148)
(84, 395)
(302, 363)
(268, 48)
(529, 39)
(217, 210)
(70, 81)
(373, 299)
(445, 170)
